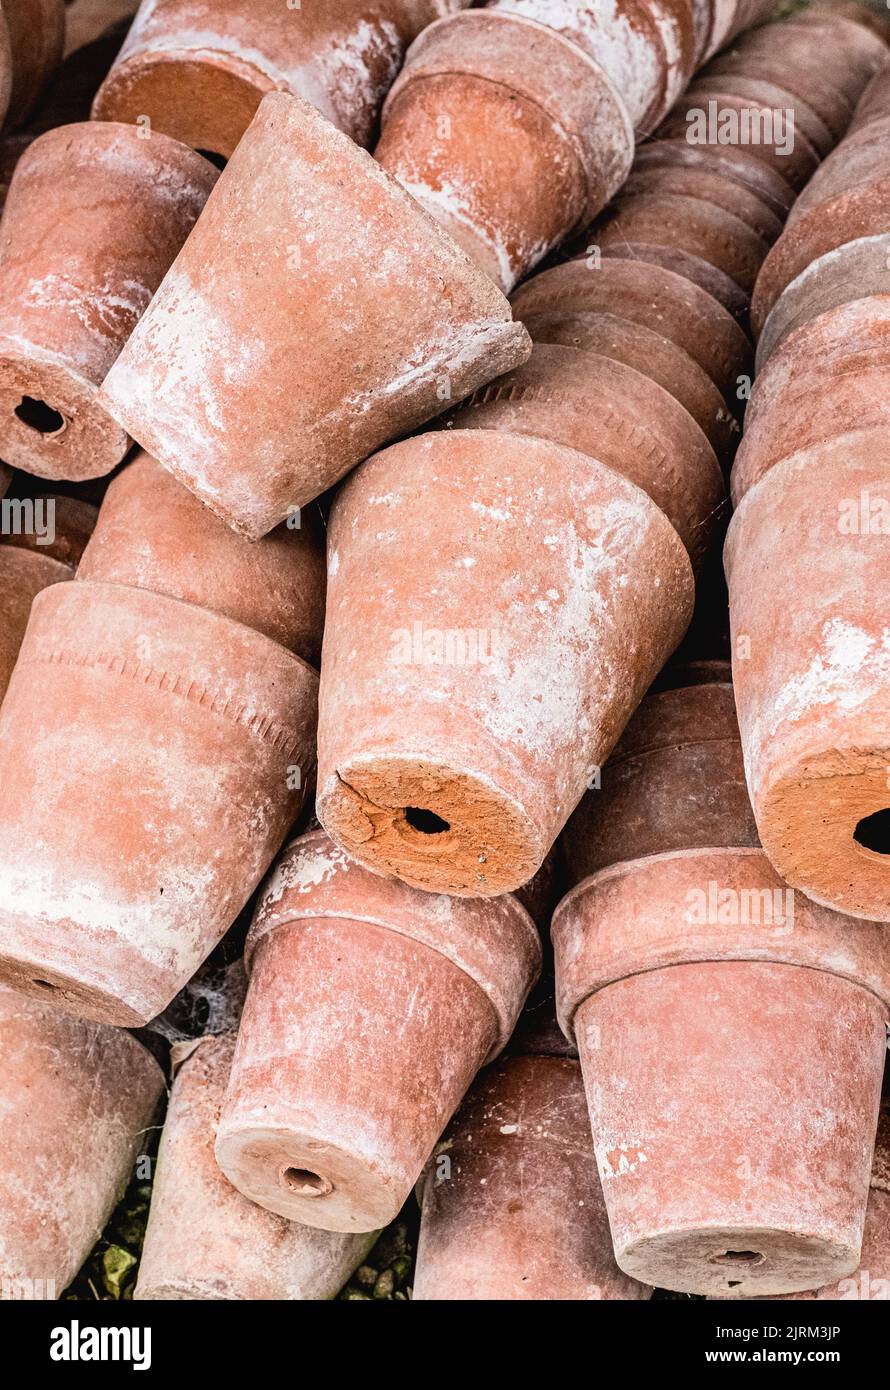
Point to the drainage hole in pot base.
(39, 416)
(734, 1258)
(873, 832)
(426, 822)
(304, 1183)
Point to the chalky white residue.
(851, 668)
(304, 868)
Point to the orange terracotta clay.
(198, 70)
(257, 376)
(32, 35)
(795, 164)
(76, 1101)
(346, 965)
(486, 581)
(709, 187)
(730, 162)
(93, 219)
(204, 1240)
(188, 733)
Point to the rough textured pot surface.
(33, 35)
(347, 965)
(512, 1207)
(497, 559)
(768, 95)
(242, 377)
(812, 687)
(94, 217)
(148, 752)
(508, 134)
(198, 71)
(728, 1163)
(76, 1100)
(860, 158)
(710, 278)
(794, 160)
(709, 187)
(730, 162)
(689, 224)
(206, 1241)
(617, 416)
(794, 72)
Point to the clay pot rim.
(570, 997)
(505, 1009)
(30, 556)
(707, 82)
(106, 132)
(586, 146)
(731, 291)
(797, 458)
(660, 745)
(760, 173)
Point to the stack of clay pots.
(731, 1034)
(32, 39)
(805, 555)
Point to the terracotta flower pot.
(187, 733)
(94, 217)
(811, 678)
(346, 965)
(76, 1101)
(199, 73)
(795, 164)
(619, 417)
(508, 133)
(29, 563)
(709, 187)
(710, 278)
(32, 34)
(295, 381)
(769, 95)
(730, 162)
(206, 1241)
(512, 1207)
(485, 584)
(677, 970)
(793, 71)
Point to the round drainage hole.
(304, 1182)
(873, 832)
(427, 822)
(738, 1257)
(39, 416)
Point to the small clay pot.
(730, 162)
(94, 216)
(619, 417)
(508, 133)
(346, 965)
(512, 1207)
(199, 73)
(769, 95)
(688, 225)
(30, 563)
(796, 164)
(188, 738)
(792, 71)
(32, 34)
(204, 1240)
(811, 680)
(709, 187)
(296, 380)
(496, 582)
(77, 1100)
(710, 278)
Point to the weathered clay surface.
(206, 1241)
(76, 1100)
(795, 164)
(498, 559)
(275, 357)
(707, 186)
(199, 70)
(731, 162)
(32, 35)
(812, 687)
(715, 282)
(512, 1206)
(346, 965)
(93, 219)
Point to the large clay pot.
(93, 219)
(811, 677)
(156, 744)
(32, 35)
(346, 966)
(76, 1100)
(508, 133)
(698, 990)
(256, 376)
(204, 1240)
(486, 581)
(198, 72)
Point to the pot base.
(51, 425)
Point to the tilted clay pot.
(347, 965)
(856, 270)
(768, 95)
(731, 162)
(793, 72)
(710, 278)
(204, 1240)
(729, 1164)
(512, 1206)
(276, 356)
(509, 134)
(29, 563)
(796, 163)
(76, 1100)
(154, 751)
(709, 187)
(32, 34)
(811, 678)
(498, 581)
(198, 72)
(94, 217)
(619, 417)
